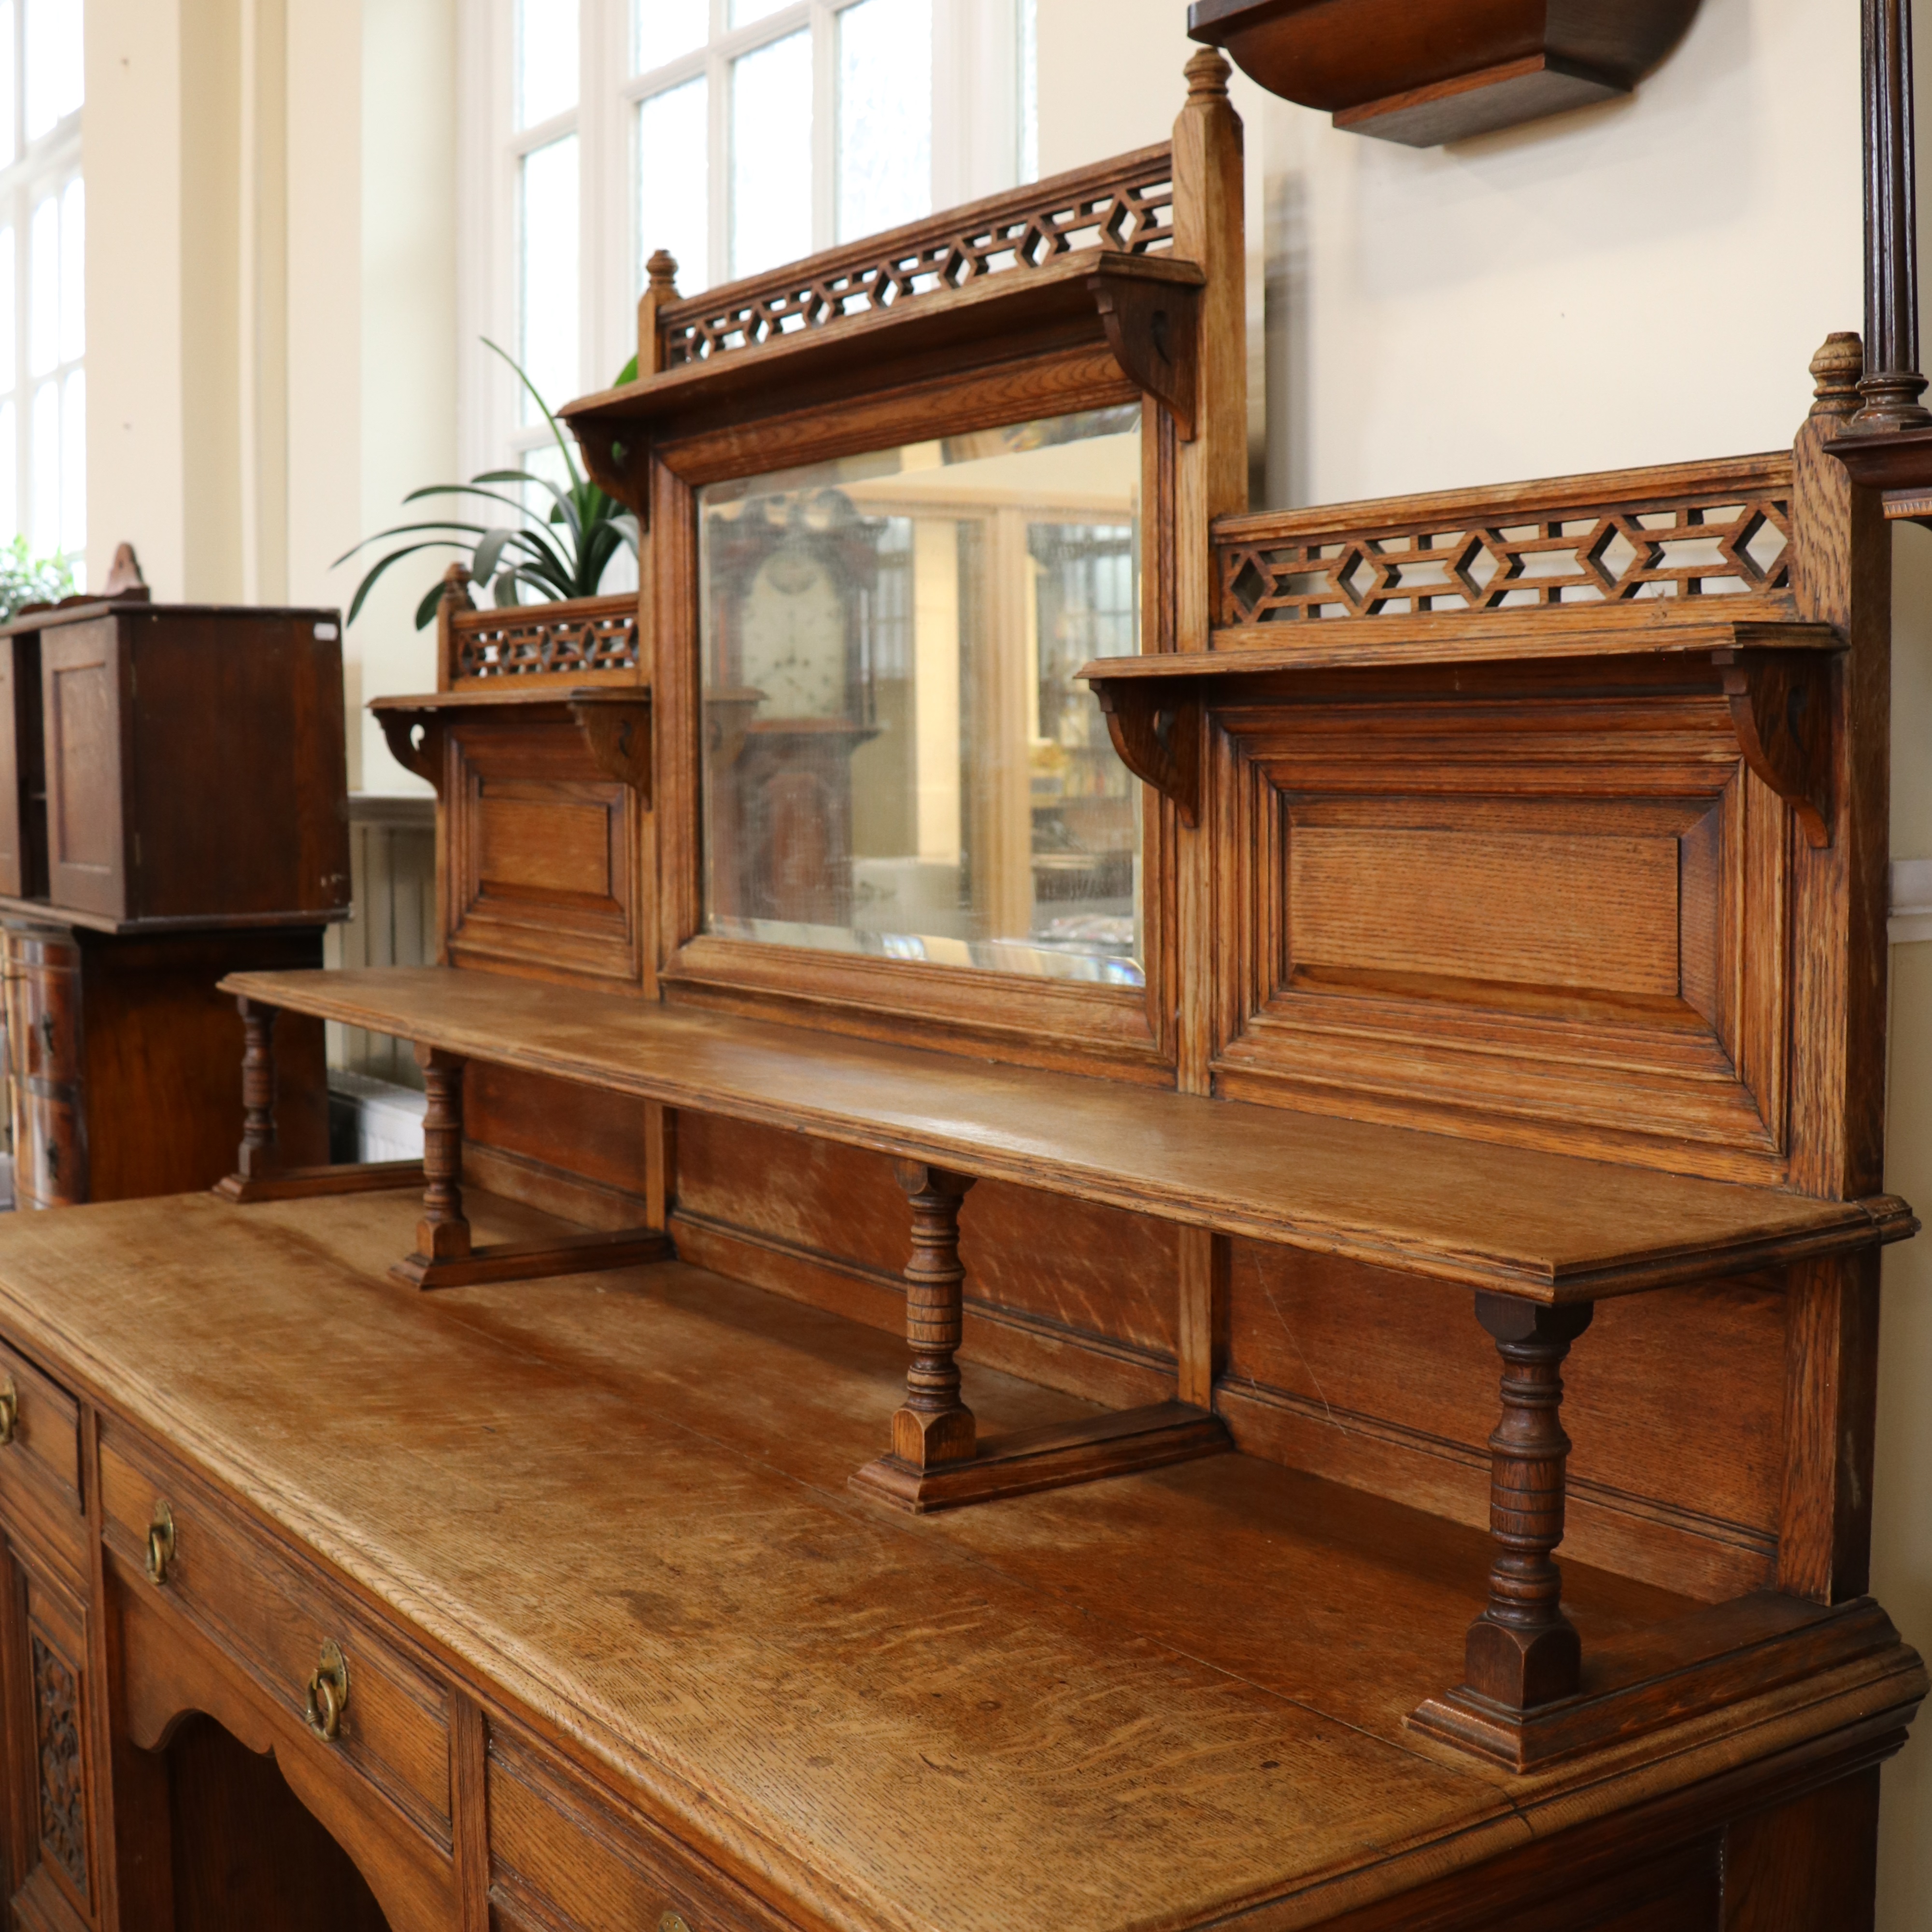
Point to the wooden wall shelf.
(1545, 1228)
(1423, 72)
(614, 718)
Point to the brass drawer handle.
(161, 1544)
(10, 1412)
(672, 1921)
(328, 1693)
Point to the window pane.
(73, 273)
(46, 448)
(744, 12)
(673, 209)
(666, 28)
(546, 59)
(549, 277)
(43, 288)
(73, 463)
(9, 133)
(55, 75)
(901, 760)
(771, 155)
(885, 115)
(10, 473)
(1029, 39)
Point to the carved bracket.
(1153, 327)
(421, 754)
(1781, 707)
(619, 466)
(1157, 732)
(618, 731)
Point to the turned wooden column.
(1522, 1650)
(258, 1155)
(934, 1427)
(1892, 383)
(442, 1234)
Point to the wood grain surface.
(1016, 1712)
(1542, 1226)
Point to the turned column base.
(1522, 1668)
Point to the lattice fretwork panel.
(1518, 560)
(556, 638)
(1126, 205)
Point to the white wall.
(271, 191)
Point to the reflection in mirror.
(898, 760)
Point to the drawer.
(45, 1448)
(47, 1005)
(561, 1858)
(266, 1607)
(50, 1167)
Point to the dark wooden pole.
(442, 1235)
(1522, 1651)
(934, 1425)
(1892, 383)
(258, 1155)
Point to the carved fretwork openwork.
(593, 635)
(63, 1798)
(1126, 205)
(1439, 553)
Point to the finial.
(124, 574)
(1207, 75)
(662, 270)
(1835, 370)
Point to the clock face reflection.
(793, 637)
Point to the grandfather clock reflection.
(790, 597)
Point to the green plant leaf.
(563, 448)
(426, 609)
(368, 583)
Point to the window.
(738, 134)
(43, 279)
(900, 759)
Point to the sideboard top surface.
(618, 1502)
(1543, 1226)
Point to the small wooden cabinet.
(173, 804)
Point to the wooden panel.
(568, 1860)
(82, 670)
(22, 772)
(1554, 910)
(239, 778)
(1674, 1403)
(256, 1605)
(1561, 922)
(544, 853)
(576, 1130)
(1809, 1864)
(1079, 1268)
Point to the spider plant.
(563, 553)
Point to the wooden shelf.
(1545, 1227)
(614, 718)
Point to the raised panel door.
(84, 710)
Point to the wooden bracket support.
(1153, 327)
(936, 1460)
(1158, 734)
(619, 465)
(616, 726)
(421, 755)
(1781, 707)
(445, 1256)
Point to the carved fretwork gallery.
(1498, 918)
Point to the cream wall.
(271, 190)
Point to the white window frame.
(978, 148)
(41, 167)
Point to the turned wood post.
(660, 288)
(1892, 383)
(934, 1427)
(1522, 1650)
(442, 1235)
(258, 1155)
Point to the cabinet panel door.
(86, 712)
(50, 1833)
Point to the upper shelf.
(614, 718)
(1543, 1227)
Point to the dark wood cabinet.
(173, 805)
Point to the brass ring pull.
(161, 1544)
(9, 1411)
(328, 1693)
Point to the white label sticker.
(326, 632)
